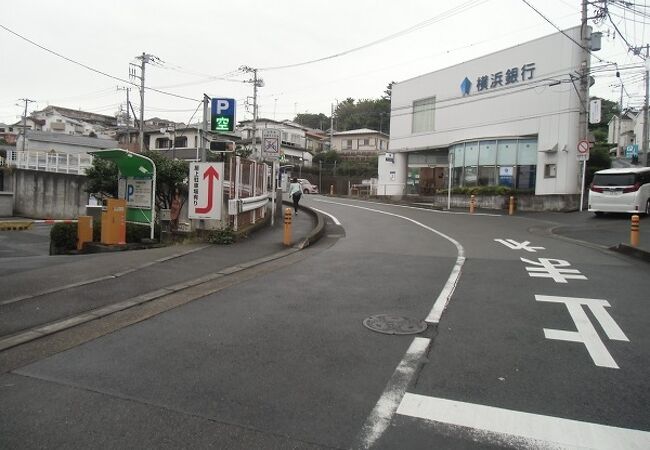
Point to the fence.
(50, 162)
(249, 191)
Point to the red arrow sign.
(211, 174)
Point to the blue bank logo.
(465, 86)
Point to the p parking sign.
(223, 114)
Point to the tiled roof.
(62, 138)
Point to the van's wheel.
(598, 213)
(305, 191)
(647, 208)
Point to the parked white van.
(623, 190)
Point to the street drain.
(392, 324)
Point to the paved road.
(280, 359)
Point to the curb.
(102, 278)
(88, 316)
(635, 252)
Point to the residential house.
(57, 119)
(180, 141)
(53, 142)
(294, 140)
(362, 143)
(625, 128)
(8, 133)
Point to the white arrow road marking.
(586, 333)
(552, 431)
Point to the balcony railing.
(50, 162)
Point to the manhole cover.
(392, 324)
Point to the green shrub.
(221, 237)
(63, 237)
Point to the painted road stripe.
(435, 211)
(384, 410)
(556, 431)
(334, 219)
(450, 286)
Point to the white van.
(623, 190)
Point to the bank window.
(527, 152)
(550, 170)
(423, 115)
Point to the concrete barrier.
(49, 195)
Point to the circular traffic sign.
(583, 147)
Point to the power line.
(445, 15)
(92, 69)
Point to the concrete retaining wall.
(6, 204)
(40, 195)
(560, 202)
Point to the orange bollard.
(472, 204)
(511, 206)
(634, 231)
(287, 227)
(84, 231)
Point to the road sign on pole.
(583, 150)
(223, 114)
(271, 140)
(206, 190)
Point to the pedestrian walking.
(295, 192)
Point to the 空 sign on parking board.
(223, 114)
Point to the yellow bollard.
(634, 231)
(511, 206)
(287, 227)
(331, 189)
(472, 204)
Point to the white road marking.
(514, 245)
(383, 412)
(334, 219)
(553, 268)
(586, 333)
(435, 211)
(448, 290)
(553, 431)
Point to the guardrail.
(50, 162)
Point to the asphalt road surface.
(543, 344)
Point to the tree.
(102, 178)
(329, 157)
(316, 121)
(365, 113)
(170, 176)
(608, 110)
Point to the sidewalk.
(65, 291)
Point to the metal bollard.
(331, 189)
(511, 206)
(472, 204)
(634, 231)
(287, 227)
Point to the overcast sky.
(199, 39)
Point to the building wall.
(525, 108)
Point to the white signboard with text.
(205, 194)
(136, 192)
(271, 140)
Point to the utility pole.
(619, 146)
(128, 116)
(331, 126)
(583, 131)
(204, 127)
(645, 108)
(145, 58)
(27, 101)
(257, 82)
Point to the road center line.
(448, 290)
(384, 411)
(334, 219)
(565, 433)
